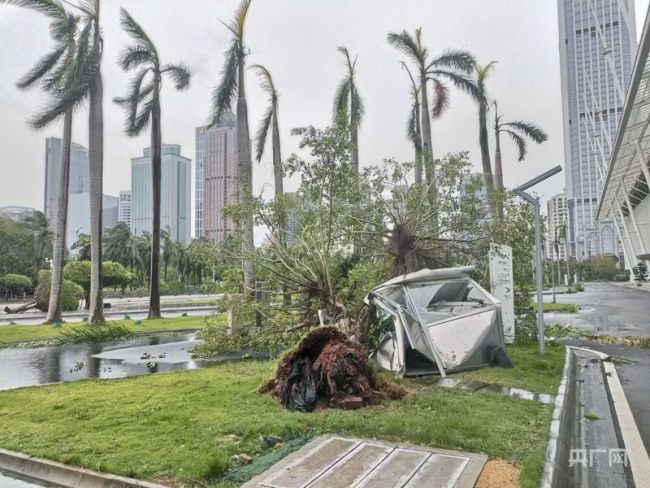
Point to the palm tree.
(82, 246)
(451, 66)
(413, 128)
(481, 75)
(142, 106)
(270, 119)
(518, 130)
(233, 81)
(348, 106)
(56, 72)
(41, 240)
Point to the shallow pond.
(117, 359)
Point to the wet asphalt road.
(607, 308)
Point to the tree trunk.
(354, 135)
(245, 176)
(427, 150)
(58, 252)
(156, 183)
(418, 146)
(96, 163)
(485, 158)
(277, 157)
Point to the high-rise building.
(217, 178)
(124, 208)
(17, 213)
(175, 210)
(79, 173)
(597, 50)
(79, 215)
(558, 215)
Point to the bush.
(578, 287)
(72, 293)
(15, 285)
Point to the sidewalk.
(632, 286)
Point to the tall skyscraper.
(558, 215)
(124, 208)
(79, 173)
(175, 196)
(217, 177)
(597, 50)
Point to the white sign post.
(502, 287)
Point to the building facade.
(175, 214)
(597, 50)
(79, 215)
(217, 178)
(124, 208)
(558, 217)
(17, 213)
(79, 173)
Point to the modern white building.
(558, 216)
(124, 208)
(176, 190)
(597, 49)
(625, 192)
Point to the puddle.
(71, 362)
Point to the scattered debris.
(592, 416)
(327, 369)
(271, 441)
(242, 459)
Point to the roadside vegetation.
(561, 307)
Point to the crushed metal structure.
(442, 321)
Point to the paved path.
(337, 462)
(607, 308)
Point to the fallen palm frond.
(95, 333)
(558, 331)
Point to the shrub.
(15, 284)
(72, 293)
(579, 287)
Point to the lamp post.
(520, 190)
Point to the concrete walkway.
(338, 462)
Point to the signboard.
(502, 287)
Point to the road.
(607, 308)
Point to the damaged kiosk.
(438, 321)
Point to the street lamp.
(538, 248)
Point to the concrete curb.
(63, 475)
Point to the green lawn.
(186, 426)
(561, 307)
(540, 374)
(11, 334)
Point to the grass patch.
(540, 374)
(13, 334)
(187, 425)
(561, 307)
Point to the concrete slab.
(338, 462)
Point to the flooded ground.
(119, 359)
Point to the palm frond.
(520, 142)
(140, 121)
(134, 56)
(42, 67)
(483, 71)
(138, 34)
(88, 8)
(341, 100)
(462, 82)
(134, 97)
(440, 101)
(266, 81)
(357, 108)
(348, 61)
(52, 8)
(528, 129)
(239, 21)
(413, 125)
(459, 60)
(407, 44)
(262, 132)
(223, 94)
(179, 73)
(414, 85)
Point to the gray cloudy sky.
(296, 40)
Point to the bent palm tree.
(413, 128)
(453, 66)
(348, 106)
(269, 120)
(57, 72)
(481, 75)
(142, 106)
(233, 82)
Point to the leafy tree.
(142, 106)
(640, 273)
(348, 105)
(12, 285)
(79, 272)
(82, 246)
(233, 82)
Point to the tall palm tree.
(269, 120)
(233, 82)
(41, 241)
(142, 106)
(453, 66)
(481, 75)
(56, 72)
(348, 105)
(518, 130)
(413, 128)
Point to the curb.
(63, 475)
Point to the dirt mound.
(327, 369)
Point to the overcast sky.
(297, 40)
